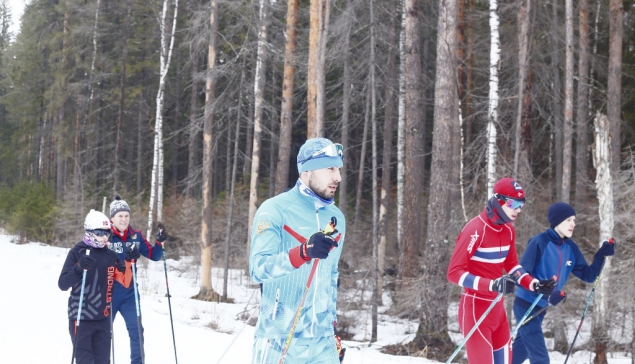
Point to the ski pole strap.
(491, 306)
(522, 321)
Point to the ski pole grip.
(611, 241)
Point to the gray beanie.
(118, 205)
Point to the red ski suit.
(483, 252)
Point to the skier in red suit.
(485, 263)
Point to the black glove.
(86, 261)
(318, 246)
(162, 236)
(607, 249)
(545, 286)
(504, 284)
(557, 297)
(132, 253)
(120, 265)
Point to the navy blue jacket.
(99, 281)
(130, 237)
(549, 255)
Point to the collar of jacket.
(555, 238)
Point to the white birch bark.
(567, 132)
(373, 121)
(156, 186)
(92, 63)
(604, 185)
(492, 110)
(259, 85)
(401, 125)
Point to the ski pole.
(328, 230)
(522, 321)
(167, 286)
(491, 306)
(79, 309)
(112, 335)
(535, 315)
(136, 299)
(586, 308)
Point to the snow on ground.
(34, 324)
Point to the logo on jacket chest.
(569, 263)
(473, 239)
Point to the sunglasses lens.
(515, 204)
(100, 232)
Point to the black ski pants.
(92, 341)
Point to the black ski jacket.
(99, 281)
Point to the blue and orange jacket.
(549, 255)
(98, 288)
(119, 241)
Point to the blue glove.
(607, 249)
(557, 297)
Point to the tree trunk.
(193, 131)
(523, 65)
(582, 114)
(156, 187)
(567, 128)
(414, 144)
(373, 121)
(346, 97)
(284, 145)
(318, 35)
(492, 112)
(206, 291)
(557, 107)
(230, 199)
(360, 174)
(387, 152)
(122, 102)
(434, 305)
(602, 160)
(401, 129)
(614, 86)
(259, 91)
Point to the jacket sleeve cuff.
(295, 258)
(527, 282)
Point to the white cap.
(96, 220)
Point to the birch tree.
(259, 91)
(602, 159)
(165, 55)
(401, 126)
(318, 35)
(284, 150)
(520, 156)
(492, 108)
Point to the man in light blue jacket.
(294, 258)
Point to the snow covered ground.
(34, 325)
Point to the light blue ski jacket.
(282, 223)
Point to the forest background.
(193, 112)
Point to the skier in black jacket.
(91, 336)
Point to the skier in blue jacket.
(551, 253)
(130, 244)
(286, 243)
